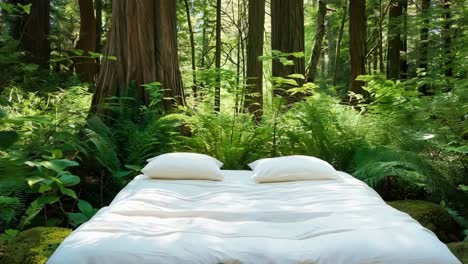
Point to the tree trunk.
(404, 42)
(98, 26)
(35, 29)
(331, 41)
(381, 47)
(357, 49)
(192, 48)
(424, 39)
(86, 67)
(217, 97)
(167, 67)
(287, 36)
(317, 48)
(254, 50)
(447, 36)
(143, 38)
(394, 39)
(338, 41)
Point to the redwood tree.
(357, 46)
(86, 67)
(255, 41)
(318, 39)
(287, 36)
(424, 40)
(396, 64)
(34, 33)
(217, 96)
(143, 39)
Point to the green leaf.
(7, 139)
(57, 154)
(121, 174)
(58, 165)
(86, 208)
(94, 55)
(69, 179)
(25, 8)
(68, 192)
(34, 180)
(77, 219)
(297, 76)
(462, 149)
(44, 188)
(134, 167)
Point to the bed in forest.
(239, 221)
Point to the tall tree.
(357, 45)
(34, 33)
(86, 67)
(395, 17)
(217, 97)
(192, 48)
(404, 42)
(99, 23)
(339, 39)
(287, 36)
(318, 39)
(144, 40)
(447, 37)
(167, 62)
(255, 41)
(424, 40)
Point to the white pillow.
(292, 168)
(184, 166)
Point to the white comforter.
(239, 221)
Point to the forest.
(90, 89)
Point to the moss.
(33, 246)
(460, 250)
(433, 217)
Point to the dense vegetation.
(90, 89)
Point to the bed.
(240, 221)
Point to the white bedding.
(240, 221)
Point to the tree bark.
(447, 36)
(357, 49)
(318, 39)
(86, 67)
(254, 50)
(144, 40)
(35, 29)
(217, 96)
(381, 47)
(404, 43)
(331, 40)
(338, 41)
(287, 36)
(167, 68)
(424, 40)
(98, 4)
(394, 39)
(192, 48)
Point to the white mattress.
(239, 221)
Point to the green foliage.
(320, 127)
(236, 140)
(86, 212)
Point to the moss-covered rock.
(460, 250)
(33, 246)
(433, 217)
